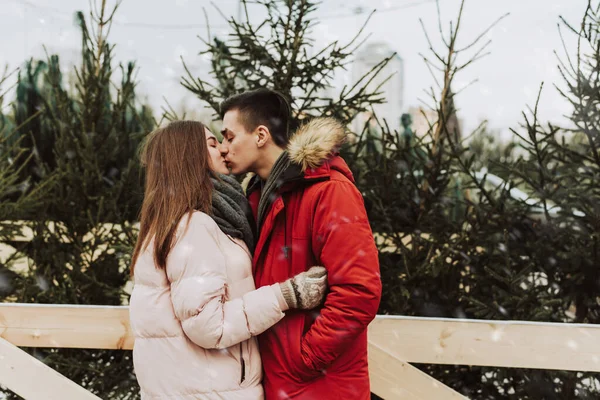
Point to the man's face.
(239, 146)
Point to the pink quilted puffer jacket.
(194, 324)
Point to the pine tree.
(278, 53)
(573, 159)
(88, 134)
(455, 244)
(16, 195)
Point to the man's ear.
(263, 135)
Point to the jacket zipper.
(243, 364)
(286, 249)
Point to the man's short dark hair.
(262, 107)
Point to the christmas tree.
(278, 53)
(17, 197)
(454, 243)
(86, 136)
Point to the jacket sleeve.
(196, 269)
(343, 243)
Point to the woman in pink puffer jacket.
(194, 309)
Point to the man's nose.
(224, 149)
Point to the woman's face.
(217, 161)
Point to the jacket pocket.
(299, 371)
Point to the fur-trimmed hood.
(315, 141)
(311, 145)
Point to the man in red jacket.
(308, 212)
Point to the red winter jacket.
(318, 218)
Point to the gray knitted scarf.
(274, 182)
(231, 210)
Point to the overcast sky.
(156, 33)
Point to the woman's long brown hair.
(178, 182)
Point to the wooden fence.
(394, 343)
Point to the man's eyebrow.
(224, 132)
